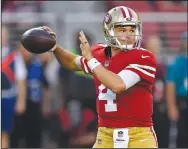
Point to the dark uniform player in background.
(13, 83)
(78, 85)
(177, 94)
(160, 113)
(30, 124)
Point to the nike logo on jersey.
(102, 45)
(144, 56)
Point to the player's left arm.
(21, 74)
(115, 82)
(143, 69)
(171, 91)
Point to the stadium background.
(166, 20)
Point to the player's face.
(153, 44)
(125, 34)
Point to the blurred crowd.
(48, 105)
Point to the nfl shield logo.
(120, 134)
(129, 19)
(99, 141)
(107, 63)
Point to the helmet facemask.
(112, 39)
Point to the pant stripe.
(154, 135)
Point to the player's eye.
(122, 30)
(132, 31)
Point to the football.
(37, 40)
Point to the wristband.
(92, 63)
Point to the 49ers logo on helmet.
(129, 19)
(107, 18)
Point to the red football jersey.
(133, 107)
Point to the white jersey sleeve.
(130, 78)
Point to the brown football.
(37, 40)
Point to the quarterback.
(124, 74)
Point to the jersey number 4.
(109, 96)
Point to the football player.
(177, 94)
(124, 74)
(13, 91)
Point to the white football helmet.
(121, 15)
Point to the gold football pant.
(134, 137)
